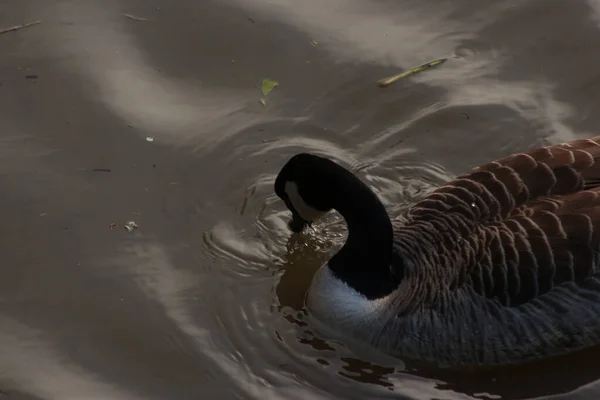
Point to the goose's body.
(499, 266)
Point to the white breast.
(336, 304)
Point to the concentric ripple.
(263, 255)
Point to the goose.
(499, 266)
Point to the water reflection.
(212, 285)
(31, 365)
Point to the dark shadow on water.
(303, 259)
(559, 375)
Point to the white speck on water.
(130, 226)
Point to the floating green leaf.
(388, 81)
(268, 85)
(262, 101)
(314, 42)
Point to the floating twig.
(133, 17)
(102, 170)
(17, 27)
(388, 81)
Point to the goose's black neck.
(364, 262)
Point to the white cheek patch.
(306, 212)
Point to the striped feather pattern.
(503, 262)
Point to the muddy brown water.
(204, 299)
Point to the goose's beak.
(297, 223)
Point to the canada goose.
(499, 266)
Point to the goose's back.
(503, 263)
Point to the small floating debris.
(130, 226)
(314, 43)
(267, 86)
(388, 81)
(149, 139)
(31, 76)
(102, 170)
(17, 27)
(112, 226)
(133, 17)
(263, 102)
(42, 214)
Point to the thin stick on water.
(133, 17)
(388, 81)
(17, 27)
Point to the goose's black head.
(310, 186)
(306, 185)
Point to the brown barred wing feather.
(522, 224)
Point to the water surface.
(205, 299)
